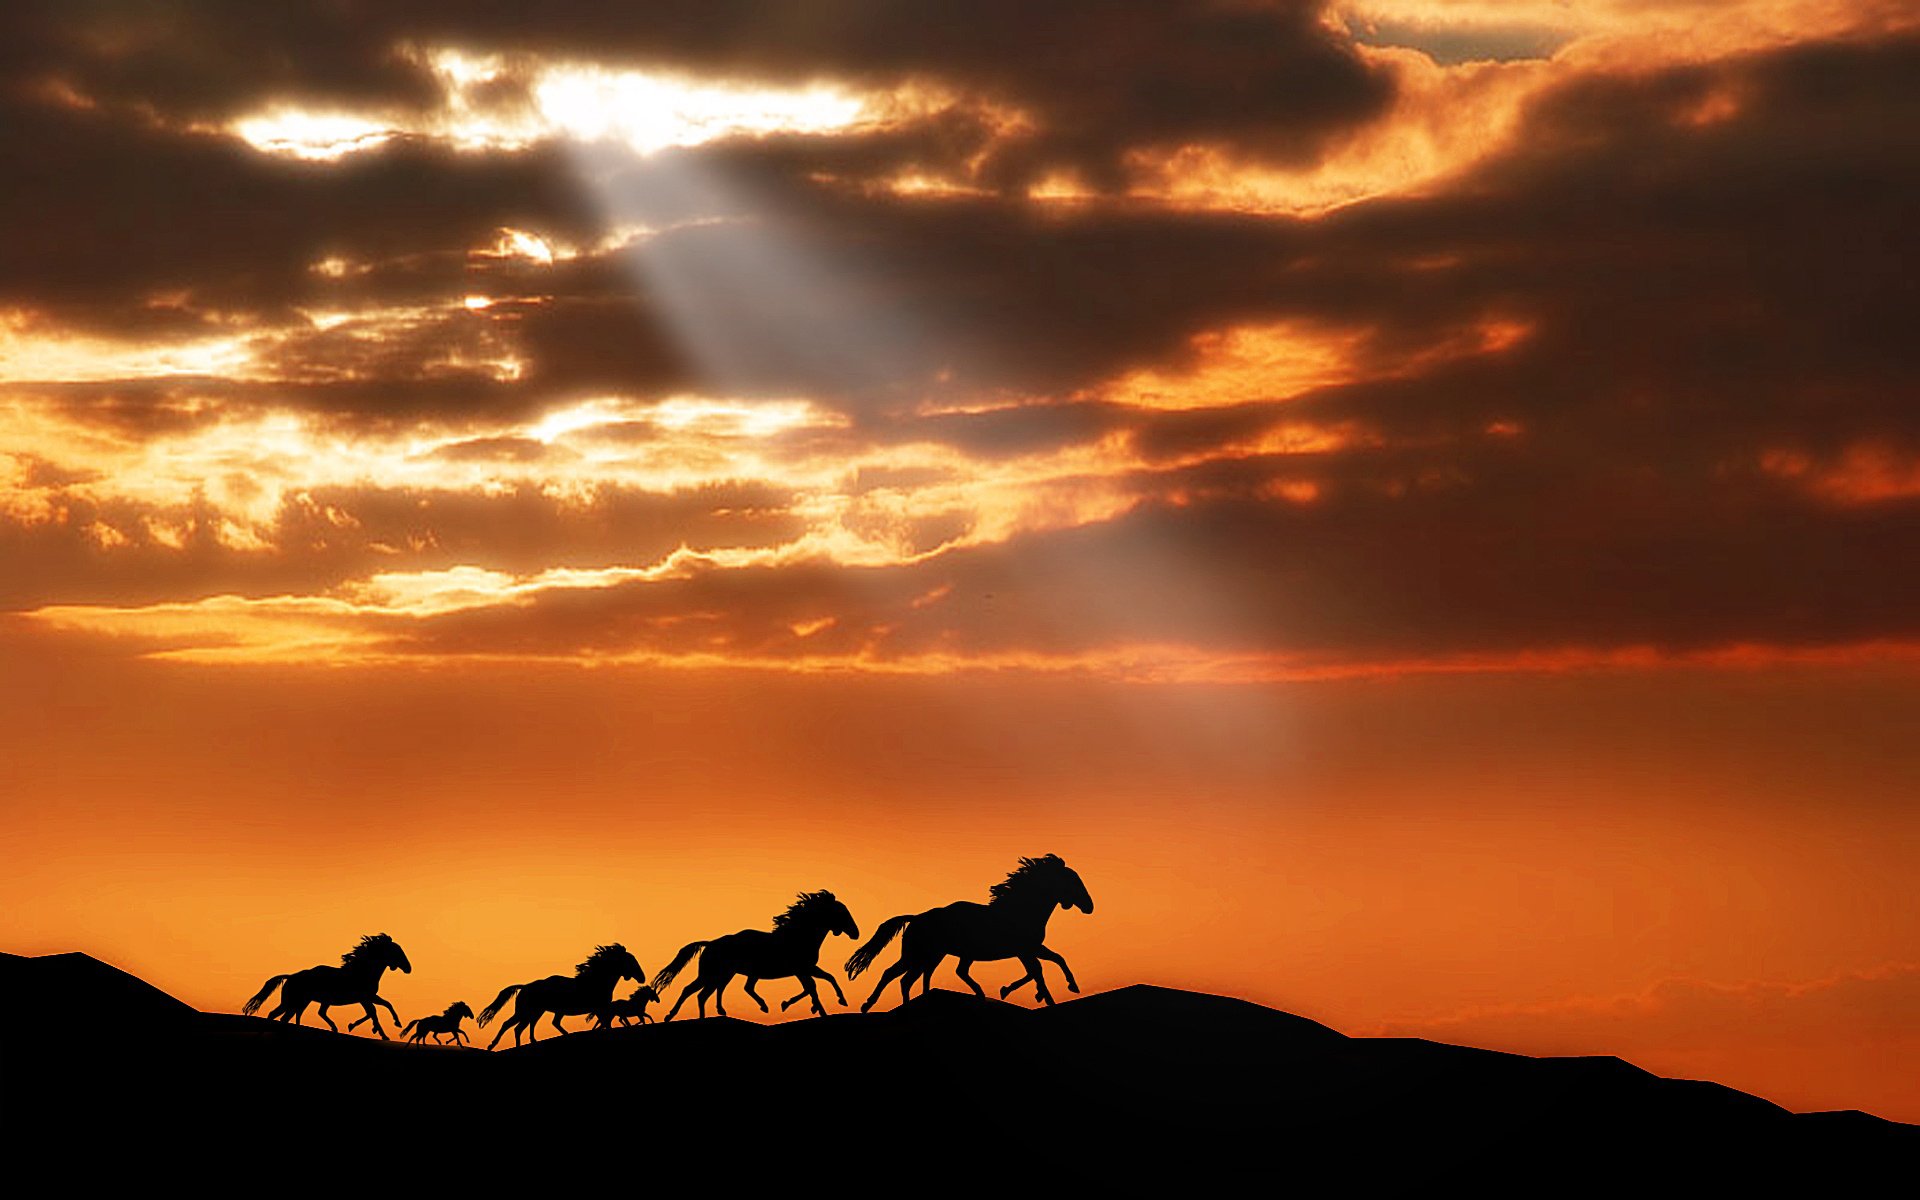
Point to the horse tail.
(889, 929)
(260, 997)
(680, 960)
(499, 1002)
(408, 1027)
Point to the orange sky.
(1413, 500)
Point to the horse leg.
(926, 976)
(328, 1019)
(558, 1025)
(720, 997)
(500, 1033)
(1040, 992)
(961, 970)
(1016, 985)
(892, 973)
(832, 983)
(1060, 962)
(813, 994)
(684, 993)
(374, 1016)
(756, 995)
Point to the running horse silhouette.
(792, 950)
(628, 1009)
(355, 981)
(1011, 925)
(447, 1022)
(588, 990)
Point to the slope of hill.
(1138, 1083)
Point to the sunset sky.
(1418, 501)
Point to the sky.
(1415, 500)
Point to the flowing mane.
(802, 907)
(370, 944)
(1023, 878)
(601, 958)
(458, 1006)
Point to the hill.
(1129, 1085)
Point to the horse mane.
(598, 959)
(460, 1004)
(801, 907)
(1023, 877)
(368, 944)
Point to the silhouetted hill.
(1134, 1084)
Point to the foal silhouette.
(1011, 925)
(629, 1009)
(447, 1022)
(792, 950)
(355, 981)
(588, 990)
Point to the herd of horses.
(1012, 924)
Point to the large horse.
(355, 981)
(1011, 925)
(792, 950)
(588, 990)
(447, 1022)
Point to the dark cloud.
(103, 216)
(326, 536)
(1370, 577)
(1711, 263)
(1095, 78)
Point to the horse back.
(967, 929)
(755, 952)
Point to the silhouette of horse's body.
(355, 981)
(588, 990)
(1011, 925)
(447, 1022)
(628, 1009)
(791, 950)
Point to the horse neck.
(600, 984)
(367, 971)
(1030, 909)
(810, 935)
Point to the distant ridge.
(1141, 1079)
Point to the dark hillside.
(1142, 1082)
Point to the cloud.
(1619, 382)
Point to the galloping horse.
(791, 950)
(446, 1022)
(355, 981)
(1011, 925)
(588, 990)
(629, 1008)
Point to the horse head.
(841, 920)
(381, 949)
(614, 961)
(630, 968)
(644, 995)
(459, 1010)
(818, 910)
(1063, 881)
(1073, 891)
